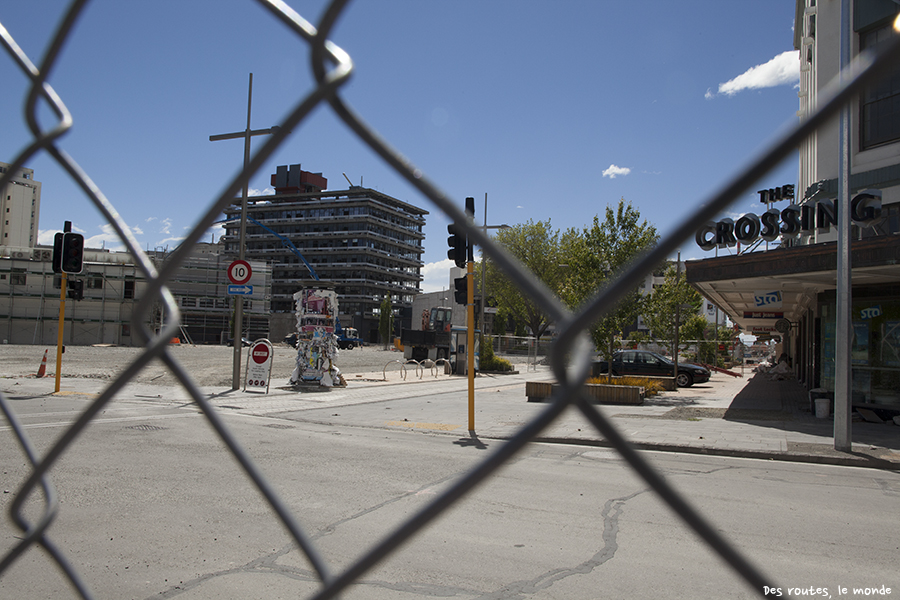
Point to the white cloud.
(781, 70)
(109, 239)
(436, 275)
(165, 226)
(254, 192)
(614, 171)
(46, 236)
(170, 241)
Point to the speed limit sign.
(239, 272)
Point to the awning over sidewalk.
(758, 289)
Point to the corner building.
(789, 291)
(367, 244)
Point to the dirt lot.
(208, 365)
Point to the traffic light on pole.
(461, 290)
(72, 254)
(458, 245)
(57, 252)
(76, 289)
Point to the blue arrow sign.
(240, 290)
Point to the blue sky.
(554, 109)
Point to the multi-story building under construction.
(366, 243)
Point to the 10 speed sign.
(239, 272)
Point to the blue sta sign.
(865, 208)
(871, 312)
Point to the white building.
(20, 207)
(112, 286)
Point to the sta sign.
(865, 208)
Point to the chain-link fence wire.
(332, 68)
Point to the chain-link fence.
(332, 68)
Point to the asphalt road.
(152, 506)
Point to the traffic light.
(76, 289)
(70, 252)
(457, 242)
(57, 252)
(461, 291)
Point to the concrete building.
(200, 289)
(20, 208)
(30, 298)
(368, 244)
(112, 285)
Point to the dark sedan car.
(651, 364)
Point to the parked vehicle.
(650, 364)
(348, 338)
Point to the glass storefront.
(875, 349)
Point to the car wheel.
(684, 380)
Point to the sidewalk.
(752, 416)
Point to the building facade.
(30, 299)
(368, 244)
(112, 286)
(789, 291)
(20, 208)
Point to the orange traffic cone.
(43, 368)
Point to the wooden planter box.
(600, 392)
(666, 383)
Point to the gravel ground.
(207, 365)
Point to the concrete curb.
(827, 455)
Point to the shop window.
(126, 330)
(95, 282)
(129, 289)
(880, 101)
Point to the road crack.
(611, 512)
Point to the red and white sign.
(259, 366)
(239, 272)
(260, 353)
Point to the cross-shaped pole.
(239, 300)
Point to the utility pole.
(677, 316)
(63, 283)
(239, 300)
(843, 438)
(68, 257)
(470, 317)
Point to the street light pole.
(484, 228)
(239, 300)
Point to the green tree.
(674, 298)
(599, 253)
(500, 321)
(386, 321)
(536, 245)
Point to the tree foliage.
(536, 245)
(386, 321)
(574, 266)
(599, 253)
(663, 306)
